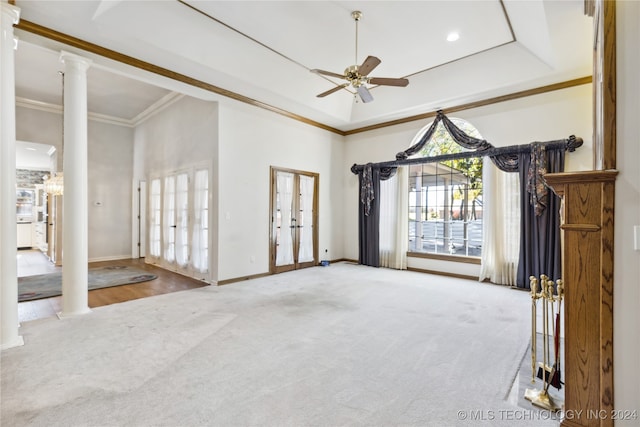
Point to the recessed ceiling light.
(453, 36)
(30, 149)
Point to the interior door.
(294, 218)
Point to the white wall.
(109, 176)
(252, 140)
(182, 136)
(626, 294)
(40, 127)
(544, 117)
(110, 169)
(240, 143)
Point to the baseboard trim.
(242, 279)
(442, 273)
(417, 270)
(256, 276)
(355, 261)
(110, 258)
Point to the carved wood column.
(588, 283)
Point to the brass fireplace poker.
(549, 374)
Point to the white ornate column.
(75, 246)
(9, 15)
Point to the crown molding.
(151, 111)
(51, 34)
(476, 104)
(156, 107)
(137, 63)
(57, 109)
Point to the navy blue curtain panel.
(540, 251)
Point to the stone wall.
(28, 179)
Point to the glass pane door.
(182, 220)
(294, 233)
(305, 219)
(178, 221)
(200, 240)
(169, 219)
(155, 219)
(285, 221)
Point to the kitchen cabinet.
(40, 236)
(25, 235)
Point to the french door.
(294, 219)
(179, 222)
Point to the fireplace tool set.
(549, 370)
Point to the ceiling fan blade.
(328, 73)
(364, 93)
(384, 81)
(368, 65)
(330, 91)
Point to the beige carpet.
(343, 345)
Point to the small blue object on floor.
(324, 263)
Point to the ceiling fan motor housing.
(351, 73)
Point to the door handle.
(173, 226)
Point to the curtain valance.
(505, 158)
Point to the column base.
(18, 342)
(64, 315)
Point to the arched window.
(445, 199)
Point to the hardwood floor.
(166, 282)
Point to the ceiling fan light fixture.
(364, 93)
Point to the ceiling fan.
(357, 75)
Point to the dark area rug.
(50, 285)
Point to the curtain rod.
(570, 144)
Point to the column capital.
(10, 12)
(73, 60)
